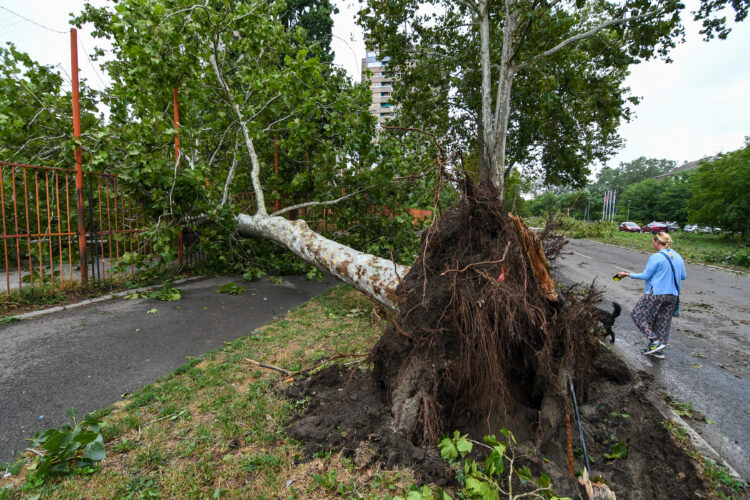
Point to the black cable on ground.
(580, 429)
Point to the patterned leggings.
(652, 315)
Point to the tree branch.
(230, 175)
(316, 203)
(588, 34)
(255, 173)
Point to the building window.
(385, 104)
(385, 94)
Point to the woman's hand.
(623, 274)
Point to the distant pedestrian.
(653, 312)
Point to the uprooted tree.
(478, 325)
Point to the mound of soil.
(483, 340)
(345, 412)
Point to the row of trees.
(717, 193)
(510, 86)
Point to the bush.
(739, 257)
(575, 228)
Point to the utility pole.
(628, 216)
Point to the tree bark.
(374, 276)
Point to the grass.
(214, 428)
(716, 477)
(721, 250)
(691, 246)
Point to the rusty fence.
(40, 226)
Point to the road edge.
(696, 440)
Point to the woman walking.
(653, 312)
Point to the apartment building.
(381, 85)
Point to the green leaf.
(619, 451)
(524, 474)
(544, 481)
(95, 451)
(478, 488)
(496, 458)
(153, 310)
(231, 288)
(447, 449)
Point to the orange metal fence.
(40, 225)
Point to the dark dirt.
(483, 340)
(346, 412)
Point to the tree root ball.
(482, 338)
(481, 343)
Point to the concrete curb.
(700, 444)
(42, 312)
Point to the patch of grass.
(705, 248)
(217, 424)
(683, 409)
(722, 484)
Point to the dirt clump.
(484, 340)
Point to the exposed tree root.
(482, 331)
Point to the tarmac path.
(87, 357)
(708, 356)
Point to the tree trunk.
(374, 276)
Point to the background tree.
(315, 18)
(721, 192)
(656, 199)
(547, 77)
(532, 83)
(35, 113)
(630, 172)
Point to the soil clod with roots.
(484, 340)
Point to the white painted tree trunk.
(374, 276)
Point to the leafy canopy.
(721, 191)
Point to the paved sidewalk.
(86, 358)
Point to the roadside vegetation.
(717, 249)
(215, 428)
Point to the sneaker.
(653, 348)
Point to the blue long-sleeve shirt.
(658, 273)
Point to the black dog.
(608, 319)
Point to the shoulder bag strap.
(674, 273)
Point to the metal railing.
(40, 236)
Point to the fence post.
(176, 108)
(78, 156)
(276, 170)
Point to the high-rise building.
(381, 85)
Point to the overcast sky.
(697, 106)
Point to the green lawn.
(722, 250)
(215, 428)
(705, 248)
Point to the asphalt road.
(86, 358)
(708, 355)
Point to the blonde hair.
(664, 239)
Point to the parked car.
(630, 227)
(673, 226)
(695, 228)
(655, 227)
